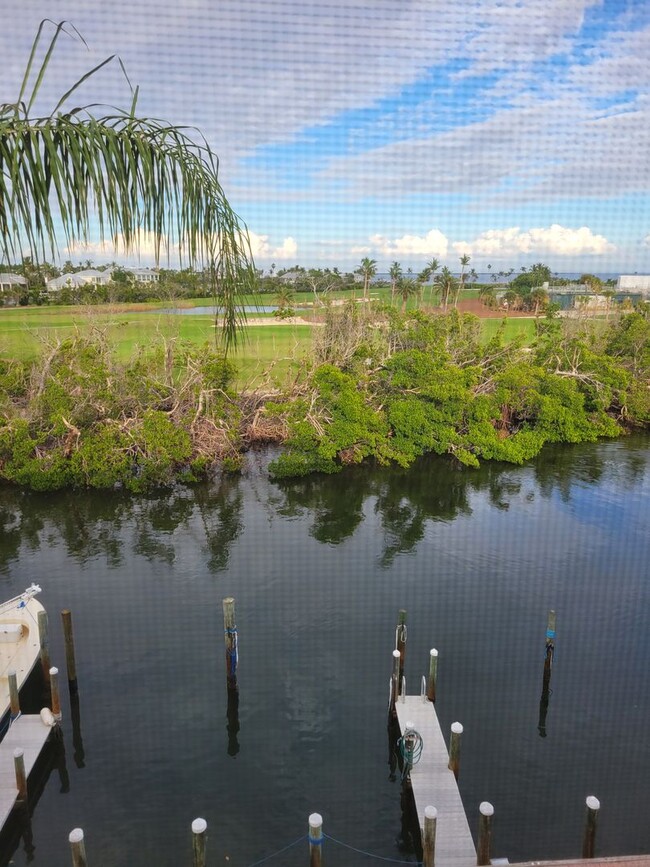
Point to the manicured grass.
(24, 332)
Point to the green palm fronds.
(72, 173)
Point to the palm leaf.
(65, 175)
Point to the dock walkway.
(29, 733)
(435, 785)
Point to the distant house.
(632, 282)
(9, 282)
(290, 276)
(143, 275)
(94, 277)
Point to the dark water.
(319, 569)
(211, 310)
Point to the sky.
(513, 131)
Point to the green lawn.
(24, 332)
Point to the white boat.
(19, 640)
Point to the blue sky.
(397, 129)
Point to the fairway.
(269, 353)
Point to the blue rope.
(369, 854)
(268, 857)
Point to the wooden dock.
(435, 785)
(30, 734)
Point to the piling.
(589, 841)
(400, 643)
(230, 638)
(454, 748)
(21, 775)
(394, 682)
(14, 700)
(429, 836)
(71, 665)
(54, 690)
(315, 840)
(78, 848)
(45, 644)
(550, 639)
(199, 841)
(484, 833)
(433, 674)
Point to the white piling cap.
(199, 826)
(433, 652)
(409, 724)
(396, 654)
(593, 803)
(76, 835)
(486, 808)
(457, 728)
(18, 753)
(54, 671)
(315, 820)
(430, 812)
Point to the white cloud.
(434, 243)
(261, 249)
(646, 241)
(553, 240)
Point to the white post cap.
(18, 753)
(396, 654)
(54, 671)
(430, 812)
(433, 652)
(199, 826)
(486, 808)
(457, 728)
(76, 835)
(593, 803)
(409, 725)
(315, 820)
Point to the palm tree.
(368, 268)
(408, 288)
(446, 283)
(464, 262)
(67, 172)
(428, 272)
(395, 274)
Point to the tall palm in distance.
(446, 286)
(428, 273)
(368, 269)
(395, 274)
(72, 174)
(464, 262)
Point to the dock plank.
(30, 734)
(435, 785)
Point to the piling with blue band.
(318, 842)
(550, 633)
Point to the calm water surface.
(319, 569)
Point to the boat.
(19, 641)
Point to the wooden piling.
(315, 840)
(484, 833)
(394, 682)
(45, 644)
(230, 638)
(199, 842)
(54, 691)
(454, 748)
(433, 674)
(71, 665)
(14, 699)
(21, 775)
(429, 836)
(78, 848)
(400, 643)
(550, 639)
(589, 841)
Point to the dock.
(434, 784)
(30, 734)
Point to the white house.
(93, 277)
(631, 282)
(8, 282)
(143, 275)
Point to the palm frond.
(64, 175)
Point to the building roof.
(13, 279)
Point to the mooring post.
(394, 683)
(454, 748)
(78, 848)
(429, 836)
(230, 638)
(45, 644)
(71, 665)
(54, 690)
(315, 840)
(484, 833)
(550, 640)
(400, 643)
(14, 699)
(199, 842)
(433, 674)
(21, 776)
(589, 842)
